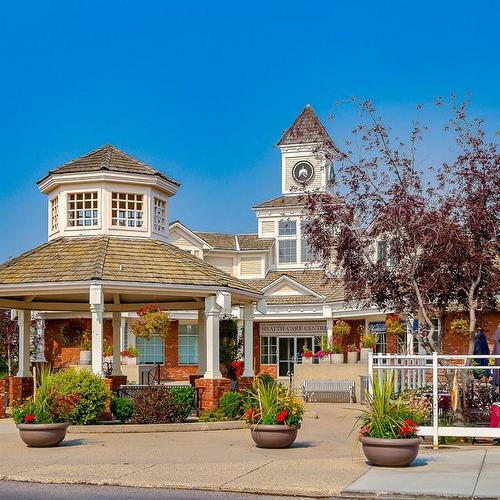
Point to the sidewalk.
(322, 462)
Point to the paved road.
(12, 490)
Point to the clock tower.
(306, 155)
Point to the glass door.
(286, 351)
(304, 342)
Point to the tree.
(9, 340)
(382, 201)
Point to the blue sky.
(203, 90)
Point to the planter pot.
(273, 436)
(325, 360)
(85, 357)
(130, 361)
(352, 357)
(42, 435)
(307, 360)
(337, 359)
(390, 452)
(364, 354)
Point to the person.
(496, 351)
(481, 347)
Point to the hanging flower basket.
(393, 326)
(151, 321)
(460, 326)
(72, 332)
(341, 329)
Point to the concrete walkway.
(456, 472)
(321, 463)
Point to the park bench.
(328, 391)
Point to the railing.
(152, 376)
(417, 371)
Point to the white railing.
(417, 371)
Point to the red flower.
(281, 416)
(249, 415)
(29, 419)
(407, 428)
(364, 431)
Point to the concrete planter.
(42, 435)
(364, 354)
(326, 360)
(337, 359)
(307, 360)
(352, 357)
(273, 436)
(390, 452)
(130, 361)
(85, 357)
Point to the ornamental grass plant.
(388, 416)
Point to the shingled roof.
(306, 129)
(295, 200)
(115, 259)
(226, 241)
(107, 158)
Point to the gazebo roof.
(115, 259)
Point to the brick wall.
(3, 389)
(212, 391)
(20, 388)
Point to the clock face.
(303, 172)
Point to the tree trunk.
(472, 326)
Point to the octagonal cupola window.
(107, 192)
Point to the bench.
(328, 391)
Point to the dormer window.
(160, 215)
(287, 244)
(83, 209)
(54, 214)
(127, 210)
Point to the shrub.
(212, 415)
(122, 409)
(184, 398)
(155, 405)
(231, 404)
(91, 390)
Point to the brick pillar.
(108, 382)
(3, 383)
(20, 388)
(116, 381)
(213, 388)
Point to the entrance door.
(288, 351)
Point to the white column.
(248, 318)
(329, 330)
(202, 343)
(40, 334)
(97, 313)
(212, 313)
(117, 323)
(24, 323)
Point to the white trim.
(179, 225)
(293, 282)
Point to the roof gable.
(286, 286)
(306, 129)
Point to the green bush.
(122, 409)
(155, 405)
(90, 388)
(231, 403)
(212, 415)
(184, 397)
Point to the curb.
(139, 428)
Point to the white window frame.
(156, 344)
(72, 203)
(287, 234)
(159, 215)
(266, 348)
(188, 331)
(131, 200)
(54, 214)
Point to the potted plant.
(352, 354)
(85, 348)
(130, 355)
(107, 351)
(273, 413)
(341, 329)
(323, 357)
(389, 425)
(337, 353)
(42, 420)
(368, 342)
(307, 356)
(151, 321)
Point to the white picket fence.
(417, 371)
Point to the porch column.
(117, 323)
(212, 313)
(24, 324)
(329, 330)
(202, 343)
(248, 352)
(97, 313)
